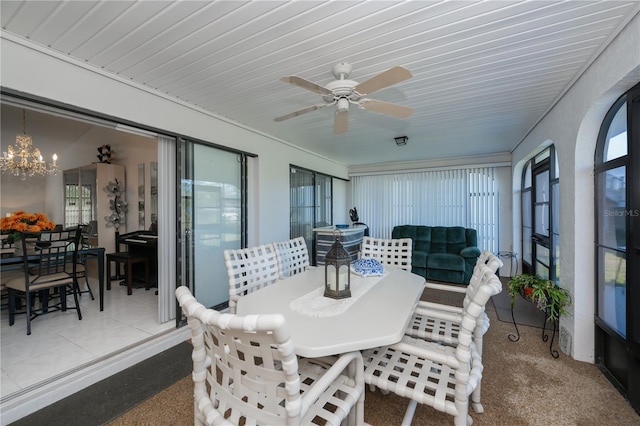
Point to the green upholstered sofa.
(442, 253)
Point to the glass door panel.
(211, 219)
(527, 233)
(612, 270)
(310, 203)
(542, 261)
(541, 212)
(612, 289)
(302, 205)
(323, 201)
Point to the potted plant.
(546, 294)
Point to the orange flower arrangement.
(21, 221)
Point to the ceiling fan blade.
(299, 112)
(395, 110)
(384, 79)
(340, 122)
(306, 84)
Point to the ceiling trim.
(491, 160)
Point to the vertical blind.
(456, 197)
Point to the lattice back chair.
(8, 272)
(49, 259)
(395, 252)
(441, 376)
(293, 256)
(250, 269)
(245, 370)
(442, 323)
(82, 266)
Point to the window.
(311, 203)
(455, 197)
(611, 205)
(617, 245)
(540, 192)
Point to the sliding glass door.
(211, 218)
(311, 204)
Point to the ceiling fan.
(342, 92)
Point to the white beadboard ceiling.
(484, 72)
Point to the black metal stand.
(545, 336)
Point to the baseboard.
(21, 404)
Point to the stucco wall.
(572, 126)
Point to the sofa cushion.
(456, 239)
(472, 252)
(451, 262)
(405, 231)
(422, 241)
(419, 259)
(438, 239)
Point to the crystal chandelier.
(24, 160)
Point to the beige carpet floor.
(522, 385)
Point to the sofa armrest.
(472, 252)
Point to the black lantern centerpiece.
(337, 271)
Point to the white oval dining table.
(378, 317)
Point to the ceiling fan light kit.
(342, 92)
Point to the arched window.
(617, 245)
(540, 215)
(611, 221)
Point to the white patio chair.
(293, 256)
(395, 252)
(441, 376)
(441, 323)
(245, 370)
(250, 269)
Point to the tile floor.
(59, 342)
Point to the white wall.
(59, 78)
(572, 126)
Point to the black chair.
(50, 259)
(366, 230)
(86, 234)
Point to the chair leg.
(129, 278)
(12, 306)
(62, 291)
(86, 280)
(108, 274)
(146, 275)
(408, 414)
(28, 303)
(475, 395)
(76, 289)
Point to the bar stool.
(128, 260)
